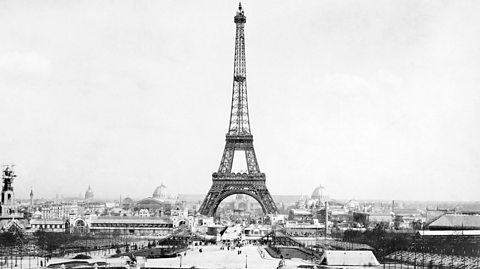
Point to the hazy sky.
(371, 99)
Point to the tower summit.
(238, 138)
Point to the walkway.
(212, 257)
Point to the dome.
(160, 192)
(127, 201)
(37, 215)
(318, 192)
(89, 193)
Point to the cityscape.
(240, 214)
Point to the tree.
(381, 227)
(352, 235)
(8, 239)
(51, 241)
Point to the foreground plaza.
(214, 257)
(210, 256)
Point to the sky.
(370, 99)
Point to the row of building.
(161, 213)
(156, 215)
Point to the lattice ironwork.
(238, 138)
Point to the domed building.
(317, 194)
(127, 203)
(37, 215)
(161, 203)
(89, 194)
(318, 197)
(160, 192)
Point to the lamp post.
(451, 264)
(246, 259)
(21, 253)
(478, 257)
(423, 255)
(415, 259)
(86, 244)
(441, 258)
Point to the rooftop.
(457, 221)
(349, 258)
(129, 219)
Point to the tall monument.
(238, 138)
(8, 206)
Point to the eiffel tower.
(238, 138)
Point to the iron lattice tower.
(238, 138)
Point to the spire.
(31, 199)
(240, 10)
(89, 193)
(240, 17)
(239, 121)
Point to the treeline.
(384, 242)
(52, 243)
(8, 239)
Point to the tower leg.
(237, 184)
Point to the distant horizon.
(273, 195)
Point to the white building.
(131, 225)
(47, 225)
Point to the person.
(281, 264)
(134, 260)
